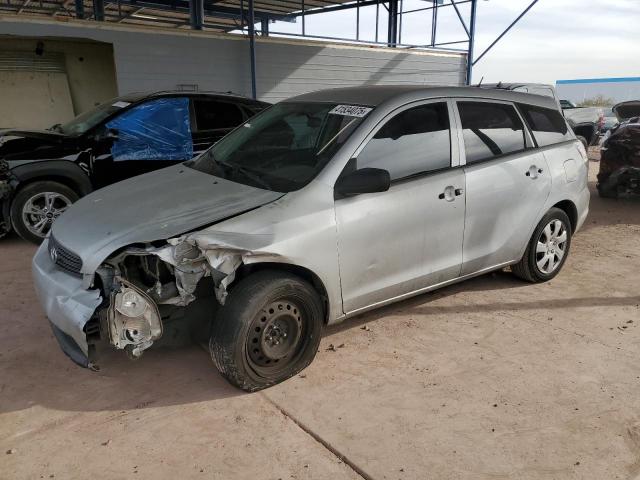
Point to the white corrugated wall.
(158, 59)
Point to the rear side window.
(213, 115)
(490, 130)
(414, 141)
(548, 125)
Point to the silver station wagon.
(319, 208)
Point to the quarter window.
(415, 141)
(548, 125)
(490, 130)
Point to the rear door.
(212, 120)
(396, 242)
(507, 182)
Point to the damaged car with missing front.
(320, 208)
(619, 174)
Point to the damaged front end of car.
(146, 289)
(6, 193)
(619, 173)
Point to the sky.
(557, 39)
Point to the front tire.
(547, 250)
(268, 330)
(36, 206)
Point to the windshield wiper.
(247, 173)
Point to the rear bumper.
(582, 207)
(66, 303)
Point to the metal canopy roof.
(221, 16)
(242, 15)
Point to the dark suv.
(43, 172)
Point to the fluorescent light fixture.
(145, 17)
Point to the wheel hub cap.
(551, 246)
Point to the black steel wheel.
(268, 330)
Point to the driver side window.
(158, 129)
(414, 141)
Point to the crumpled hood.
(154, 206)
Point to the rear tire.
(36, 206)
(268, 330)
(547, 249)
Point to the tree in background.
(597, 101)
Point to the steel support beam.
(505, 32)
(464, 25)
(392, 27)
(434, 23)
(252, 48)
(80, 9)
(472, 37)
(98, 10)
(264, 26)
(196, 13)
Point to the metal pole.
(80, 9)
(505, 32)
(377, 18)
(264, 26)
(434, 23)
(392, 27)
(464, 25)
(472, 36)
(399, 41)
(252, 48)
(196, 13)
(242, 16)
(357, 19)
(98, 10)
(303, 25)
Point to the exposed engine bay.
(146, 286)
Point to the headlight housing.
(133, 319)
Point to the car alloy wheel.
(551, 246)
(39, 211)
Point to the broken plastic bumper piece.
(67, 304)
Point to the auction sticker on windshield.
(350, 110)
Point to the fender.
(71, 173)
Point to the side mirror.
(365, 180)
(107, 134)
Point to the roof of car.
(374, 95)
(138, 96)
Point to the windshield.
(284, 147)
(87, 120)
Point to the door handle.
(533, 172)
(449, 193)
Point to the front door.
(396, 242)
(508, 183)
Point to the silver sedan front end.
(68, 305)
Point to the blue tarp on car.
(156, 130)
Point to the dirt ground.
(488, 379)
